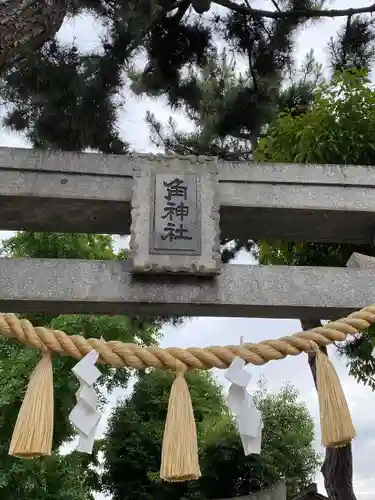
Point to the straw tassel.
(179, 458)
(32, 435)
(335, 420)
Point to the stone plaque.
(175, 215)
(176, 220)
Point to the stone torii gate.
(176, 210)
(42, 191)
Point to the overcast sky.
(215, 331)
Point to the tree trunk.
(25, 25)
(337, 468)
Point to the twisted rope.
(119, 354)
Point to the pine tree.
(62, 98)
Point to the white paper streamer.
(248, 417)
(84, 416)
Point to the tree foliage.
(66, 98)
(354, 46)
(132, 446)
(73, 476)
(287, 449)
(338, 129)
(229, 110)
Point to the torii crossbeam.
(44, 191)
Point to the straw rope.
(119, 354)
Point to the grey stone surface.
(151, 250)
(92, 193)
(358, 260)
(277, 493)
(107, 287)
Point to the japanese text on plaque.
(176, 224)
(176, 210)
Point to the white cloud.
(220, 331)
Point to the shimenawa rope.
(32, 434)
(119, 354)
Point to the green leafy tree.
(288, 436)
(63, 97)
(287, 449)
(132, 446)
(73, 476)
(338, 129)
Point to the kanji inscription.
(176, 215)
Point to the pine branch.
(276, 5)
(308, 13)
(181, 5)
